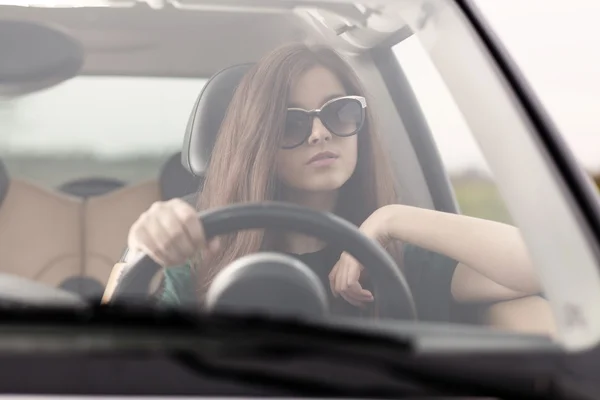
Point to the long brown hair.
(242, 166)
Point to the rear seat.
(109, 217)
(40, 232)
(71, 238)
(106, 222)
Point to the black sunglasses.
(342, 116)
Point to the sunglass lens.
(343, 117)
(297, 126)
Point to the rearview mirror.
(34, 57)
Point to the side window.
(469, 174)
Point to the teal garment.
(178, 288)
(428, 274)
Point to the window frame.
(509, 122)
(419, 133)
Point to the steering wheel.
(392, 292)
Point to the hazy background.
(141, 121)
(557, 46)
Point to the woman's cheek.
(351, 153)
(288, 170)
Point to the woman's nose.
(319, 132)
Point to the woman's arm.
(493, 261)
(530, 314)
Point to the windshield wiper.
(306, 358)
(322, 362)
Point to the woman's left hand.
(344, 278)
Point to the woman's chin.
(317, 183)
(323, 185)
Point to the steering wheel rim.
(394, 295)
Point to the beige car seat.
(40, 232)
(106, 222)
(72, 237)
(108, 217)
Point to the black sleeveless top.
(429, 276)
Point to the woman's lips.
(323, 159)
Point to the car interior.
(81, 226)
(67, 202)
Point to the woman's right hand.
(169, 232)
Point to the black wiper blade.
(310, 364)
(308, 367)
(310, 358)
(190, 327)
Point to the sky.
(557, 47)
(556, 43)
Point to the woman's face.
(324, 162)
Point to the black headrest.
(207, 116)
(176, 181)
(90, 187)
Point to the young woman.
(299, 129)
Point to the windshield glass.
(380, 132)
(560, 64)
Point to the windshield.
(410, 206)
(559, 64)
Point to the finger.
(357, 292)
(168, 238)
(351, 300)
(145, 243)
(340, 277)
(141, 240)
(342, 281)
(338, 268)
(179, 240)
(353, 275)
(332, 278)
(189, 219)
(333, 271)
(163, 241)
